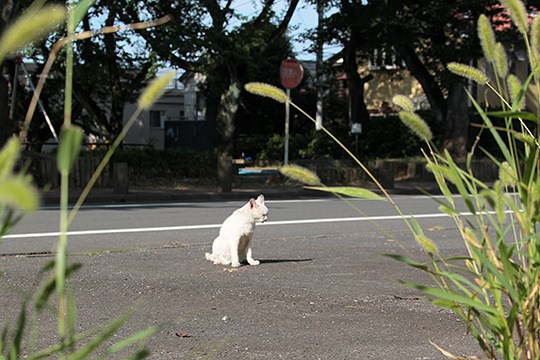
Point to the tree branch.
(264, 12)
(284, 25)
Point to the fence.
(330, 171)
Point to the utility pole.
(319, 73)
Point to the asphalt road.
(322, 290)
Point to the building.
(176, 121)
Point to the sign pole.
(290, 74)
(287, 120)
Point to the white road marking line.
(214, 226)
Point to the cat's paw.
(235, 265)
(254, 262)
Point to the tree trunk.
(358, 112)
(225, 128)
(6, 130)
(457, 120)
(117, 99)
(8, 9)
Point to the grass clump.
(18, 195)
(495, 288)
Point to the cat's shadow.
(278, 261)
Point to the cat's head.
(258, 209)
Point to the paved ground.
(327, 297)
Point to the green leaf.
(135, 338)
(102, 337)
(9, 156)
(17, 341)
(69, 148)
(348, 191)
(525, 115)
(500, 142)
(505, 282)
(49, 287)
(457, 179)
(453, 298)
(408, 261)
(17, 192)
(81, 9)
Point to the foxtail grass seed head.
(32, 26)
(427, 244)
(501, 61)
(301, 174)
(535, 34)
(468, 72)
(487, 37)
(155, 89)
(525, 138)
(518, 13)
(266, 90)
(507, 175)
(403, 102)
(514, 88)
(416, 124)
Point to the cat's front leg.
(250, 259)
(235, 261)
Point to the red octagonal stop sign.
(290, 73)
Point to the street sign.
(356, 128)
(290, 73)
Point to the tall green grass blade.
(69, 148)
(97, 341)
(453, 299)
(139, 355)
(349, 191)
(408, 261)
(49, 287)
(133, 339)
(81, 9)
(500, 143)
(3, 341)
(16, 345)
(525, 115)
(467, 287)
(455, 176)
(503, 283)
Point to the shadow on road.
(278, 261)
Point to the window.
(157, 118)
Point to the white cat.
(232, 246)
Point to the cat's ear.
(260, 199)
(252, 203)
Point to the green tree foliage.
(111, 68)
(211, 38)
(425, 35)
